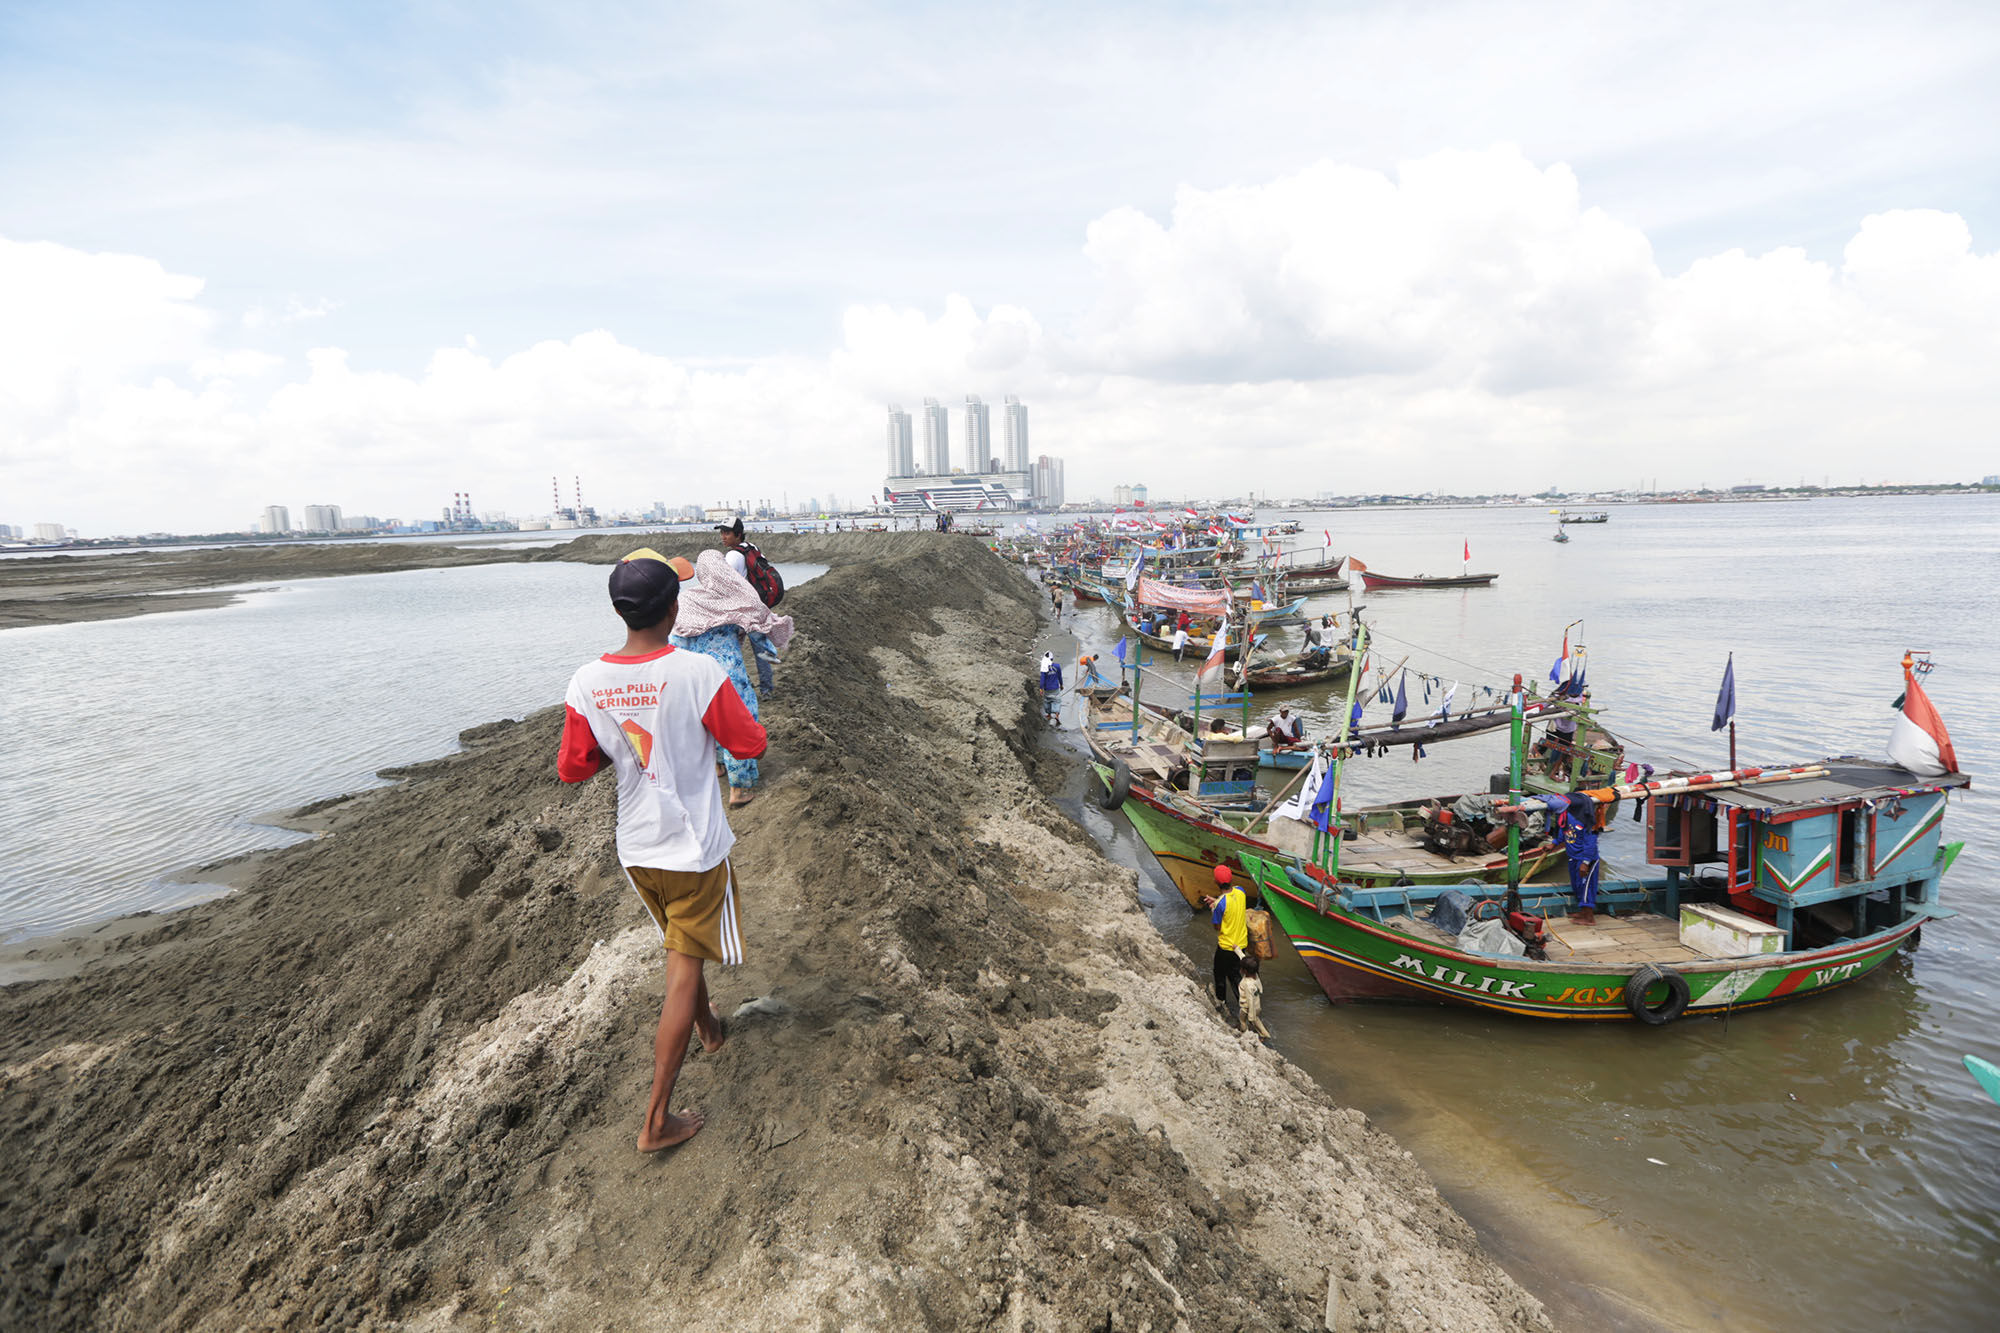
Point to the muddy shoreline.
(65, 589)
(393, 1080)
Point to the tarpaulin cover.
(1152, 592)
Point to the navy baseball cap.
(645, 585)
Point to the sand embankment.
(395, 1081)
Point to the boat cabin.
(1823, 858)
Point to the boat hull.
(1189, 851)
(1355, 958)
(1378, 582)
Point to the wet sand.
(394, 1080)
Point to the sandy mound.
(396, 1081)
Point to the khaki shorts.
(695, 909)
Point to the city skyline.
(276, 265)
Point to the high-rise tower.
(1014, 436)
(937, 439)
(978, 436)
(902, 454)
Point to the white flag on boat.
(1918, 740)
(1300, 806)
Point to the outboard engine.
(1532, 931)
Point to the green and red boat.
(1775, 885)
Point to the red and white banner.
(1152, 592)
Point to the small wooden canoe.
(1375, 582)
(1296, 671)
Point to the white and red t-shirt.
(659, 718)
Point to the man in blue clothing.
(1052, 683)
(1579, 835)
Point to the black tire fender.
(1118, 788)
(1648, 976)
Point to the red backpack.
(763, 575)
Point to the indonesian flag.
(1918, 740)
(1468, 550)
(1328, 543)
(1190, 513)
(1212, 668)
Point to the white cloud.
(1467, 320)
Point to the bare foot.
(676, 1129)
(739, 796)
(715, 1033)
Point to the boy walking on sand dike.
(656, 714)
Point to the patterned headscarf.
(719, 595)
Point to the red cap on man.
(1222, 876)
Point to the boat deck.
(1643, 937)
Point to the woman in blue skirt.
(718, 610)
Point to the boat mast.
(1518, 730)
(1332, 836)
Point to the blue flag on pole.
(1402, 699)
(1725, 698)
(1119, 651)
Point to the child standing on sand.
(656, 714)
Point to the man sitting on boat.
(1286, 730)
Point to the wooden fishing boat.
(1145, 743)
(1773, 890)
(1561, 536)
(1383, 845)
(1777, 884)
(1377, 582)
(1302, 669)
(1312, 584)
(1592, 516)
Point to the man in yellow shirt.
(1232, 933)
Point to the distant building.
(1014, 436)
(276, 519)
(360, 523)
(1990, 479)
(934, 495)
(323, 518)
(1046, 489)
(937, 439)
(978, 436)
(1121, 496)
(50, 532)
(8, 532)
(1139, 495)
(902, 450)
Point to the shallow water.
(1828, 1164)
(139, 747)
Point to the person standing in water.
(718, 609)
(656, 715)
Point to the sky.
(371, 254)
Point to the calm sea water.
(1827, 1165)
(136, 748)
